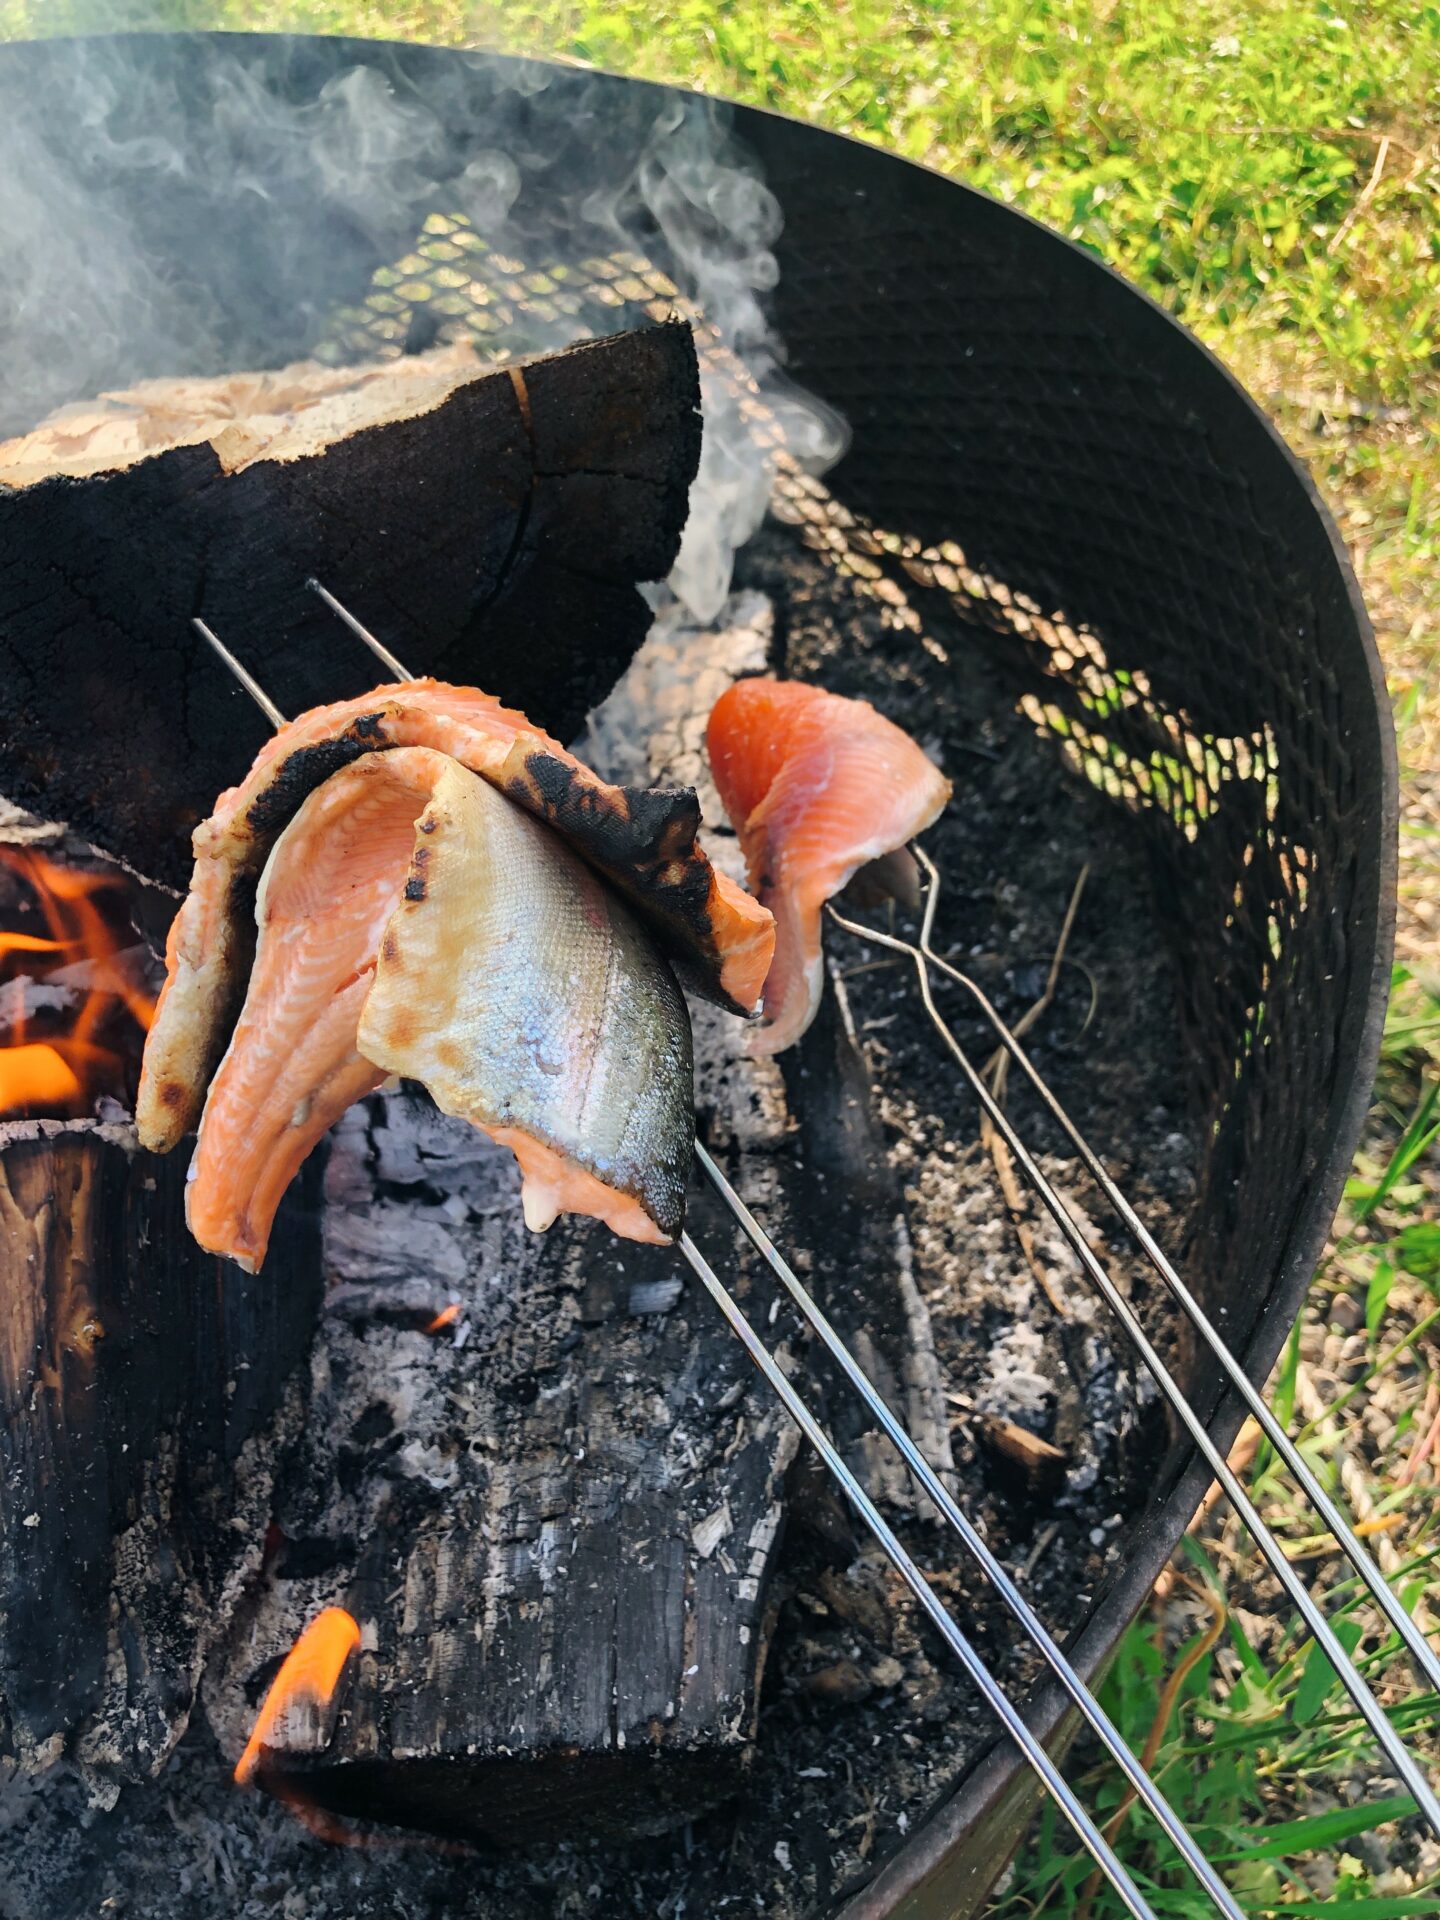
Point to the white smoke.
(720, 223)
(143, 233)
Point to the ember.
(308, 1683)
(73, 1005)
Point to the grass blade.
(1423, 1128)
(1321, 1830)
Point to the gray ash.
(864, 1724)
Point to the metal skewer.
(247, 680)
(1370, 1709)
(361, 632)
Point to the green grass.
(1219, 1741)
(1270, 170)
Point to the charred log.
(145, 1391)
(497, 538)
(554, 1517)
(557, 1515)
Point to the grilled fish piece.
(330, 886)
(530, 1001)
(642, 840)
(817, 787)
(412, 920)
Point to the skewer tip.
(247, 680)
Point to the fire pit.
(1063, 546)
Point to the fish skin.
(642, 841)
(816, 786)
(329, 888)
(531, 1002)
(208, 953)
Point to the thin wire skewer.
(1369, 1708)
(247, 680)
(1415, 1642)
(1034, 1753)
(377, 647)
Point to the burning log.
(495, 533)
(306, 1689)
(554, 1517)
(66, 944)
(145, 1393)
(556, 1514)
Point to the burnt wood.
(496, 540)
(557, 1535)
(146, 1389)
(560, 1536)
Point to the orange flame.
(446, 1317)
(60, 1075)
(36, 1076)
(309, 1677)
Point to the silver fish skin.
(529, 1001)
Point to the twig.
(1371, 134)
(1015, 1205)
(1352, 1473)
(1169, 1694)
(1367, 194)
(1422, 1449)
(1424, 156)
(1039, 1550)
(995, 1071)
(1241, 1458)
(1320, 1546)
(998, 1065)
(869, 966)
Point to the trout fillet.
(412, 920)
(530, 1002)
(816, 786)
(641, 840)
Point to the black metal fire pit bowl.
(1202, 642)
